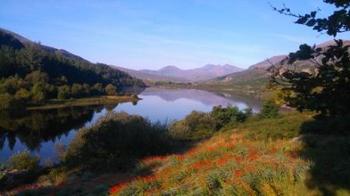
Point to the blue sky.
(154, 33)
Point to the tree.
(38, 92)
(22, 95)
(6, 101)
(111, 89)
(337, 22)
(98, 89)
(77, 90)
(37, 76)
(63, 92)
(325, 87)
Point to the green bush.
(117, 141)
(24, 161)
(269, 110)
(198, 125)
(195, 126)
(224, 116)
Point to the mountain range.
(175, 74)
(225, 75)
(254, 79)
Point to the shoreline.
(80, 102)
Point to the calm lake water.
(40, 132)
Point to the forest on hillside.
(31, 73)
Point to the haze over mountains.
(256, 74)
(175, 74)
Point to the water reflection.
(40, 131)
(173, 104)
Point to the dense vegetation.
(199, 125)
(247, 154)
(116, 142)
(325, 87)
(261, 156)
(119, 141)
(270, 153)
(32, 73)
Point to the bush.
(24, 161)
(198, 125)
(224, 116)
(116, 142)
(195, 126)
(269, 110)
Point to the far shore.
(80, 102)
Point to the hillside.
(175, 74)
(254, 80)
(31, 72)
(260, 157)
(268, 62)
(48, 60)
(230, 163)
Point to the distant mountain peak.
(169, 68)
(173, 73)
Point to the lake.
(41, 132)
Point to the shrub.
(117, 141)
(269, 110)
(24, 161)
(196, 125)
(224, 116)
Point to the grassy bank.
(254, 155)
(91, 101)
(258, 157)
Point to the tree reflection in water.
(36, 127)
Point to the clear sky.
(154, 33)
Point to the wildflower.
(238, 173)
(253, 155)
(201, 165)
(223, 160)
